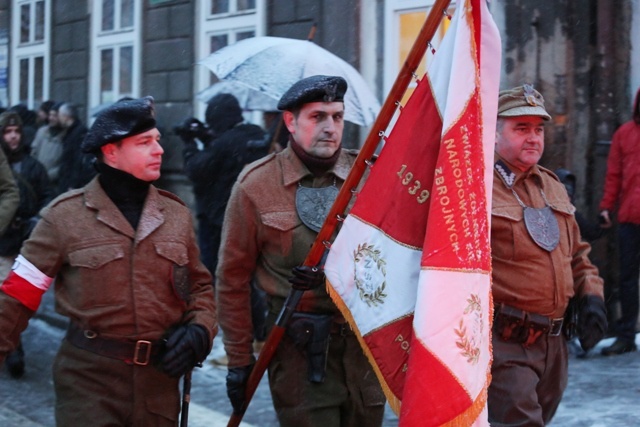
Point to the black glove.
(306, 278)
(186, 347)
(190, 129)
(592, 321)
(236, 387)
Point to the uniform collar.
(107, 212)
(518, 175)
(293, 170)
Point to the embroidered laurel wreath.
(369, 293)
(468, 346)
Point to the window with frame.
(218, 7)
(404, 19)
(29, 70)
(115, 62)
(223, 23)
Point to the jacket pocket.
(280, 227)
(95, 257)
(92, 274)
(565, 212)
(505, 231)
(176, 252)
(281, 221)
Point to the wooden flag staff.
(344, 196)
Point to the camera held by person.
(192, 128)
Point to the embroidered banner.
(411, 266)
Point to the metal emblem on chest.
(542, 226)
(313, 205)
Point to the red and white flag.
(411, 266)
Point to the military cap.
(521, 101)
(120, 120)
(313, 89)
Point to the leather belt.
(515, 325)
(139, 352)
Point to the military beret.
(521, 101)
(120, 120)
(313, 89)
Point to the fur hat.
(522, 101)
(120, 120)
(313, 89)
(10, 118)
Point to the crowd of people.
(144, 294)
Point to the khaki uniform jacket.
(120, 283)
(9, 194)
(263, 234)
(526, 276)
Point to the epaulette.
(66, 196)
(256, 165)
(170, 195)
(549, 172)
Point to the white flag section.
(411, 267)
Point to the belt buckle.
(555, 327)
(143, 347)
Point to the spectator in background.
(9, 194)
(622, 191)
(229, 145)
(76, 167)
(47, 145)
(28, 118)
(42, 115)
(35, 192)
(589, 230)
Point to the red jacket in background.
(622, 183)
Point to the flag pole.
(316, 252)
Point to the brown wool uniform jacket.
(120, 283)
(526, 276)
(263, 234)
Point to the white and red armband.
(26, 283)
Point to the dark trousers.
(350, 395)
(527, 383)
(629, 238)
